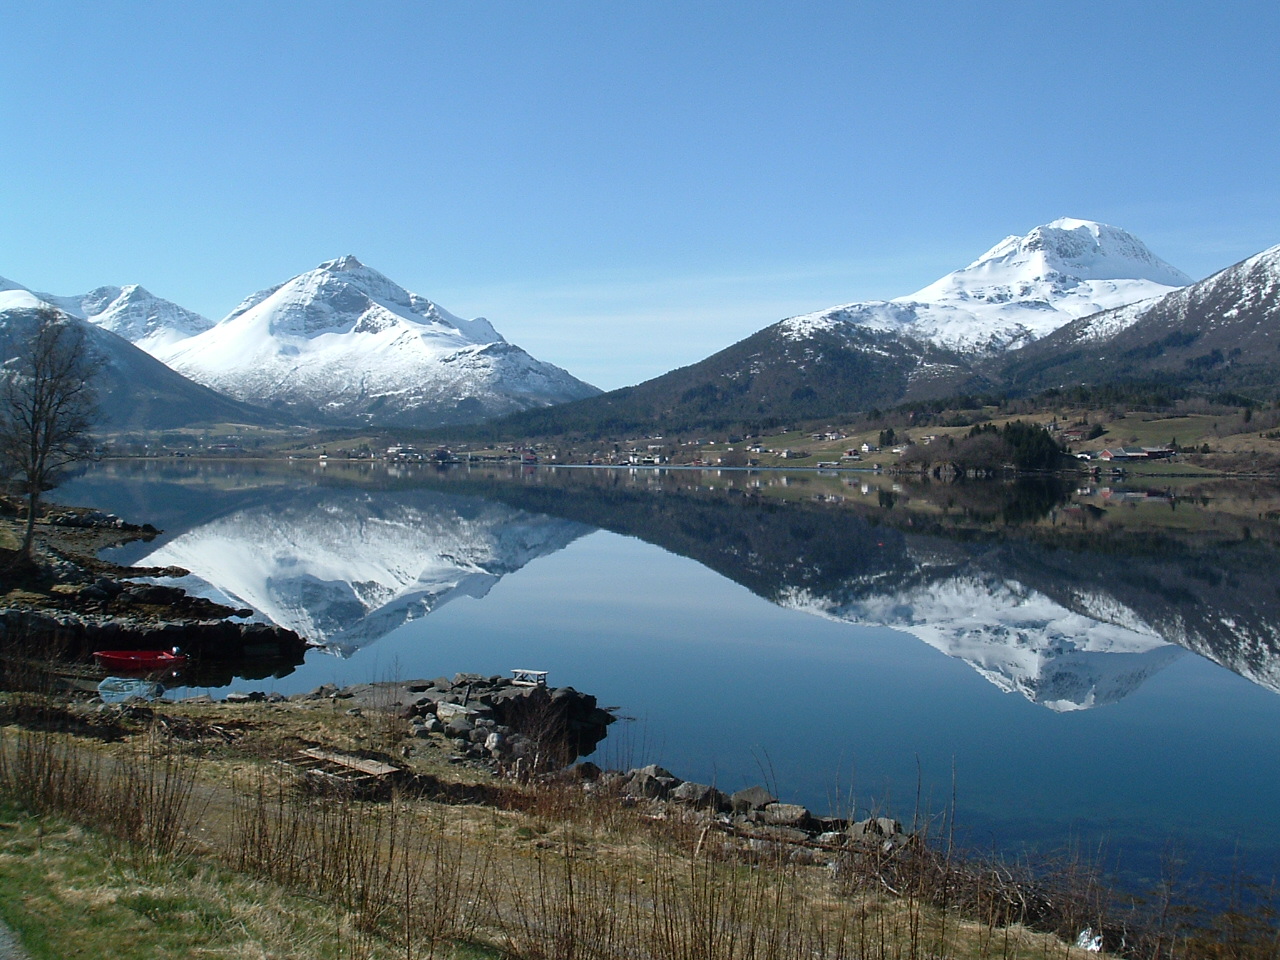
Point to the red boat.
(139, 661)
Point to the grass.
(163, 851)
(174, 841)
(71, 892)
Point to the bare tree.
(49, 406)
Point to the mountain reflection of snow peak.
(1015, 637)
(348, 568)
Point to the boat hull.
(139, 661)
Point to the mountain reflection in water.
(765, 621)
(346, 567)
(1068, 611)
(1068, 622)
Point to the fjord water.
(751, 630)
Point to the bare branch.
(48, 406)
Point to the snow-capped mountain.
(132, 312)
(1018, 291)
(937, 342)
(1222, 331)
(350, 567)
(149, 322)
(135, 391)
(344, 343)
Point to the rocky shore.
(753, 812)
(525, 731)
(509, 727)
(68, 603)
(522, 730)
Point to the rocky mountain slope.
(344, 344)
(1221, 333)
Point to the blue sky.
(621, 188)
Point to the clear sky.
(622, 188)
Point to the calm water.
(848, 663)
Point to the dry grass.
(201, 833)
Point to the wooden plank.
(373, 768)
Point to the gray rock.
(875, 827)
(752, 798)
(448, 711)
(459, 727)
(645, 785)
(786, 815)
(700, 796)
(652, 770)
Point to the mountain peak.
(1076, 249)
(345, 342)
(342, 265)
(1018, 291)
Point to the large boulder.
(650, 782)
(752, 798)
(459, 728)
(447, 711)
(787, 815)
(700, 796)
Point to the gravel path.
(10, 948)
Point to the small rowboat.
(139, 661)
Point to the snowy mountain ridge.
(1018, 291)
(1251, 285)
(135, 390)
(132, 312)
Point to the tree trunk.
(29, 535)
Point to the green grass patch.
(68, 893)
